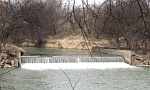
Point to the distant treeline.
(35, 20)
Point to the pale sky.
(79, 2)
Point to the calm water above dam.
(53, 51)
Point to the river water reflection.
(109, 79)
(54, 51)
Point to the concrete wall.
(126, 54)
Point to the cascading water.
(72, 62)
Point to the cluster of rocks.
(9, 56)
(141, 59)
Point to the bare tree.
(5, 22)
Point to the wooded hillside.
(125, 22)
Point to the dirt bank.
(73, 42)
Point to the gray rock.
(7, 66)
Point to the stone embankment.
(9, 56)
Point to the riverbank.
(78, 44)
(73, 42)
(9, 56)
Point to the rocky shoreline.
(141, 60)
(9, 56)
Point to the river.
(76, 79)
(109, 79)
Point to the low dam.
(68, 59)
(72, 62)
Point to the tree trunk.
(117, 42)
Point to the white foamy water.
(78, 66)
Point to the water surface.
(85, 79)
(90, 79)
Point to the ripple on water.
(90, 79)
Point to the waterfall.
(72, 62)
(68, 59)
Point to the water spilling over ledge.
(76, 66)
(72, 62)
(69, 59)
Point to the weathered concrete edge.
(125, 54)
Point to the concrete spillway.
(72, 62)
(68, 59)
